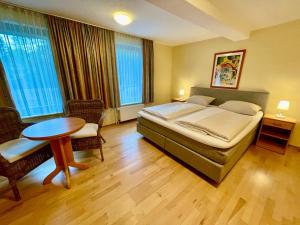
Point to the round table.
(57, 132)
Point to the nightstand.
(274, 133)
(178, 100)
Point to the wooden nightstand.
(274, 133)
(178, 100)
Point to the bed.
(212, 158)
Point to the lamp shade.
(283, 105)
(122, 18)
(181, 92)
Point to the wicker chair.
(89, 136)
(15, 168)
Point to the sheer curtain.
(129, 55)
(28, 62)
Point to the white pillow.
(241, 107)
(200, 100)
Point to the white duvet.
(216, 122)
(173, 110)
(204, 137)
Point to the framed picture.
(227, 69)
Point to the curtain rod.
(63, 17)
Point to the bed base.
(211, 169)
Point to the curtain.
(148, 71)
(85, 57)
(129, 54)
(5, 96)
(28, 62)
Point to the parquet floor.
(139, 184)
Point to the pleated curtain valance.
(86, 60)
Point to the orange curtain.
(148, 71)
(86, 60)
(5, 97)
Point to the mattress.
(201, 137)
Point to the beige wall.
(162, 79)
(271, 63)
(162, 73)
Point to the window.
(27, 59)
(129, 54)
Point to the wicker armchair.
(89, 137)
(11, 127)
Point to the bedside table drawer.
(279, 124)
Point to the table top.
(285, 119)
(54, 128)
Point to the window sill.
(131, 104)
(37, 119)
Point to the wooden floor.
(139, 184)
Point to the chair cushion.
(88, 130)
(19, 148)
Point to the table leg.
(68, 177)
(78, 165)
(63, 156)
(49, 178)
(64, 161)
(70, 157)
(55, 147)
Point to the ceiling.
(175, 22)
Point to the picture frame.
(227, 69)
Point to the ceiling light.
(122, 18)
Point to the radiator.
(129, 112)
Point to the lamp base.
(280, 115)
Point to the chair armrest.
(25, 125)
(100, 123)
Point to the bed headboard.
(222, 95)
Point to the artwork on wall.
(227, 69)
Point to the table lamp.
(283, 105)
